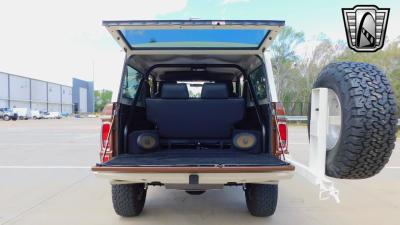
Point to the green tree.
(285, 65)
(102, 97)
(322, 54)
(387, 59)
(283, 46)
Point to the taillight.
(105, 152)
(105, 130)
(283, 138)
(281, 128)
(105, 158)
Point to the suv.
(197, 110)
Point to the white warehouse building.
(23, 92)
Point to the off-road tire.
(369, 119)
(195, 192)
(261, 199)
(6, 117)
(128, 199)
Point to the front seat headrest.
(174, 91)
(214, 91)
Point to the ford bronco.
(197, 110)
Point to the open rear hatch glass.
(195, 35)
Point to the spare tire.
(362, 119)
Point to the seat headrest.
(174, 91)
(214, 91)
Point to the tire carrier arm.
(314, 172)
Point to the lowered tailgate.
(211, 168)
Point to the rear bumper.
(206, 175)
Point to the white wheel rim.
(334, 120)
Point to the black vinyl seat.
(178, 117)
(214, 91)
(158, 94)
(174, 91)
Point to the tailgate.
(194, 161)
(209, 167)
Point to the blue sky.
(313, 16)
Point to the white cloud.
(58, 40)
(225, 2)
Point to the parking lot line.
(45, 167)
(392, 167)
(48, 144)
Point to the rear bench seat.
(178, 117)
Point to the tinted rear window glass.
(195, 38)
(259, 82)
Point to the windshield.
(195, 38)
